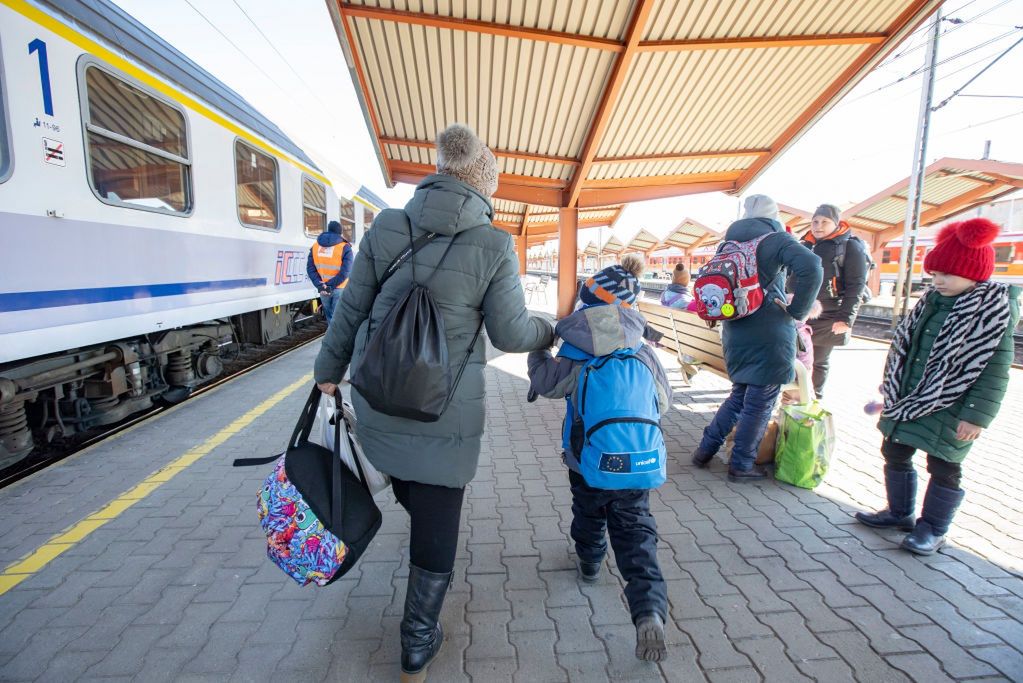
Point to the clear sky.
(285, 59)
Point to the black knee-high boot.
(900, 485)
(421, 634)
(940, 505)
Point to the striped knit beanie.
(613, 285)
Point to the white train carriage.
(148, 216)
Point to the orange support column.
(520, 247)
(876, 253)
(568, 233)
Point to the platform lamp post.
(914, 197)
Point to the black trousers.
(821, 365)
(899, 457)
(436, 512)
(626, 517)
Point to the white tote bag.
(323, 434)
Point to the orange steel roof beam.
(683, 156)
(348, 46)
(906, 22)
(637, 26)
(492, 28)
(762, 42)
(619, 195)
(506, 153)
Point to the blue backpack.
(613, 424)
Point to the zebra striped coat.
(932, 380)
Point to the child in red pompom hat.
(946, 375)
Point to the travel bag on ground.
(318, 516)
(806, 440)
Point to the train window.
(367, 219)
(886, 256)
(256, 184)
(137, 145)
(5, 131)
(314, 207)
(1003, 253)
(347, 213)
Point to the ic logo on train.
(290, 267)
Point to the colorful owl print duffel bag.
(317, 514)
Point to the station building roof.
(689, 234)
(951, 186)
(594, 103)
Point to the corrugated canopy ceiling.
(951, 186)
(595, 103)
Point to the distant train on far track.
(149, 216)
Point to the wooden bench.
(686, 335)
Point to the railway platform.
(141, 558)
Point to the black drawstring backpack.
(404, 369)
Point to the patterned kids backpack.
(728, 287)
(613, 423)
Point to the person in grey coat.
(760, 349)
(431, 462)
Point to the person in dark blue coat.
(760, 349)
(328, 266)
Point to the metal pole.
(914, 197)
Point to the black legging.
(900, 458)
(821, 365)
(436, 512)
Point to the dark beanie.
(334, 226)
(613, 285)
(829, 211)
(964, 249)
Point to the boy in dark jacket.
(946, 375)
(606, 323)
(760, 349)
(846, 266)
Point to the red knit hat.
(964, 249)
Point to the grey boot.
(421, 634)
(940, 505)
(901, 489)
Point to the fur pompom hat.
(460, 153)
(964, 249)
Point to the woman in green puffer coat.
(946, 375)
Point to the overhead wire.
(270, 43)
(976, 76)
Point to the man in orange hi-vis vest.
(328, 266)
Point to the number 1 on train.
(39, 46)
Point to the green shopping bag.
(806, 440)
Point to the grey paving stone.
(920, 667)
(884, 639)
(746, 674)
(738, 620)
(534, 652)
(758, 593)
(714, 650)
(491, 669)
(585, 666)
(768, 655)
(125, 659)
(575, 633)
(1007, 660)
(563, 589)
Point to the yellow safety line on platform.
(35, 561)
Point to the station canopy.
(591, 249)
(594, 103)
(613, 246)
(951, 187)
(689, 235)
(797, 219)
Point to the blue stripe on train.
(26, 301)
